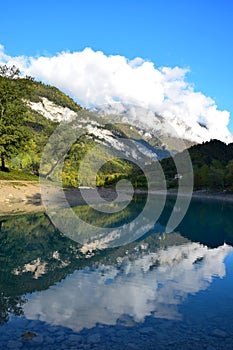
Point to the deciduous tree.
(13, 92)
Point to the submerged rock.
(27, 336)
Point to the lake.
(161, 291)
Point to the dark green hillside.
(206, 152)
(212, 165)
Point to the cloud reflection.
(153, 284)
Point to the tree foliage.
(13, 90)
(53, 94)
(212, 166)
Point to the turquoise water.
(163, 291)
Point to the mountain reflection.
(152, 275)
(153, 284)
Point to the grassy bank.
(17, 175)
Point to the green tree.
(204, 172)
(229, 175)
(13, 92)
(215, 179)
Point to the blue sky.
(195, 34)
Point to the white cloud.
(93, 78)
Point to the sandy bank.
(19, 197)
(25, 197)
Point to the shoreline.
(22, 197)
(217, 196)
(210, 195)
(199, 194)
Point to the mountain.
(168, 127)
(102, 125)
(47, 106)
(106, 137)
(115, 143)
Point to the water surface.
(163, 291)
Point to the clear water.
(164, 291)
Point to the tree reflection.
(10, 305)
